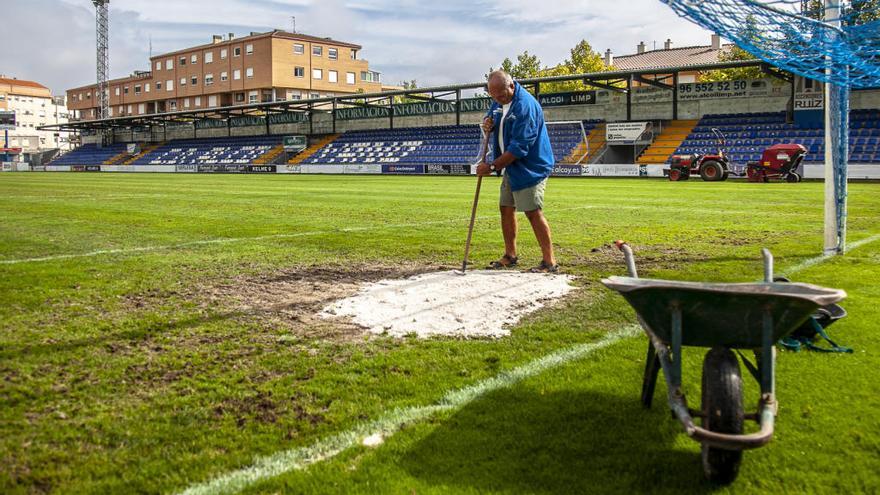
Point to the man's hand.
(487, 125)
(483, 169)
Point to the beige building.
(670, 56)
(262, 67)
(34, 106)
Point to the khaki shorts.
(528, 199)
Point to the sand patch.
(482, 303)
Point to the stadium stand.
(90, 154)
(211, 150)
(748, 134)
(447, 145)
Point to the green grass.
(138, 371)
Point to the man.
(523, 154)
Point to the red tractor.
(780, 161)
(711, 167)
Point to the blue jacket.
(525, 135)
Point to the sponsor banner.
(288, 118)
(623, 170)
(475, 104)
(403, 169)
(247, 121)
(57, 168)
(176, 126)
(424, 108)
(294, 143)
(448, 169)
(189, 168)
(39, 168)
(809, 101)
(6, 166)
(746, 88)
(118, 168)
(624, 131)
(85, 168)
(210, 124)
(7, 120)
(356, 113)
(132, 148)
(362, 169)
(291, 169)
(562, 170)
(235, 168)
(572, 98)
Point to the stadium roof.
(22, 82)
(672, 57)
(616, 80)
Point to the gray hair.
(502, 76)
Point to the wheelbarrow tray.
(716, 314)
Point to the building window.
(117, 90)
(186, 103)
(249, 49)
(332, 76)
(209, 79)
(224, 76)
(198, 101)
(169, 85)
(314, 95)
(172, 104)
(317, 74)
(299, 72)
(194, 59)
(364, 76)
(169, 64)
(128, 109)
(182, 61)
(137, 89)
(236, 52)
(317, 50)
(158, 65)
(239, 97)
(298, 49)
(223, 54)
(194, 80)
(332, 53)
(125, 90)
(212, 101)
(209, 57)
(236, 74)
(249, 72)
(183, 81)
(142, 108)
(158, 85)
(349, 78)
(354, 54)
(147, 88)
(253, 97)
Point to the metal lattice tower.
(102, 32)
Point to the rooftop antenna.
(151, 46)
(293, 20)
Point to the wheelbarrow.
(723, 317)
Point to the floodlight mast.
(102, 45)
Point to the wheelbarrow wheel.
(723, 412)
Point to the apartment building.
(34, 106)
(261, 67)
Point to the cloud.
(436, 43)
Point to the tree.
(526, 66)
(411, 84)
(863, 12)
(582, 60)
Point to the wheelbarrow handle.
(628, 256)
(768, 265)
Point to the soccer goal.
(834, 42)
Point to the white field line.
(296, 459)
(819, 259)
(228, 240)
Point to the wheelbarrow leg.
(649, 381)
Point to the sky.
(434, 42)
